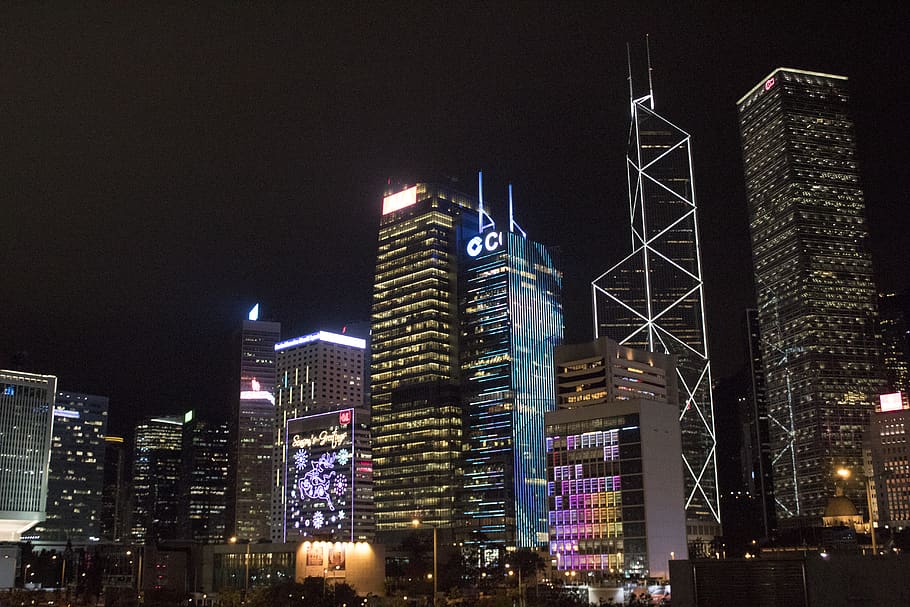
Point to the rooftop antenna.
(513, 225)
(650, 85)
(631, 94)
(484, 220)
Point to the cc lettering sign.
(489, 242)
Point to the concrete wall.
(360, 565)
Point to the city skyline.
(124, 188)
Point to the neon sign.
(319, 478)
(891, 402)
(769, 83)
(399, 201)
(490, 242)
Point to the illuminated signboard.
(255, 391)
(400, 200)
(769, 83)
(489, 242)
(320, 477)
(891, 402)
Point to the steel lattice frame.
(653, 299)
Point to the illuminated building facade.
(156, 479)
(887, 439)
(253, 431)
(511, 320)
(325, 481)
(76, 480)
(895, 343)
(653, 299)
(813, 273)
(615, 486)
(317, 373)
(416, 412)
(614, 461)
(204, 480)
(756, 454)
(26, 406)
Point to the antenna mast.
(650, 85)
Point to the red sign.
(344, 417)
(769, 83)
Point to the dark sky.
(165, 168)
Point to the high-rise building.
(511, 320)
(156, 479)
(253, 431)
(895, 342)
(814, 280)
(115, 497)
(318, 373)
(889, 450)
(26, 420)
(204, 480)
(328, 478)
(756, 445)
(653, 299)
(416, 413)
(614, 463)
(76, 479)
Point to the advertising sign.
(320, 477)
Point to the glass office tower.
(814, 281)
(416, 413)
(653, 299)
(511, 321)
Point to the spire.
(484, 220)
(513, 225)
(650, 84)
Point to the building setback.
(319, 373)
(813, 274)
(253, 431)
(76, 480)
(26, 406)
(416, 412)
(511, 320)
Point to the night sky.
(163, 169)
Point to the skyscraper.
(204, 480)
(253, 431)
(156, 479)
(416, 413)
(76, 479)
(614, 467)
(653, 299)
(814, 281)
(115, 507)
(318, 373)
(26, 407)
(511, 320)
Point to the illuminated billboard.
(891, 402)
(319, 480)
(400, 200)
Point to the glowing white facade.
(653, 299)
(26, 420)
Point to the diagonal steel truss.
(653, 299)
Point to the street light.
(521, 594)
(246, 562)
(845, 473)
(416, 523)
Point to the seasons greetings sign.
(320, 477)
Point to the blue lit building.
(511, 320)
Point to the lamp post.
(246, 563)
(844, 473)
(416, 523)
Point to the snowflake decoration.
(318, 520)
(340, 514)
(341, 483)
(301, 458)
(343, 456)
